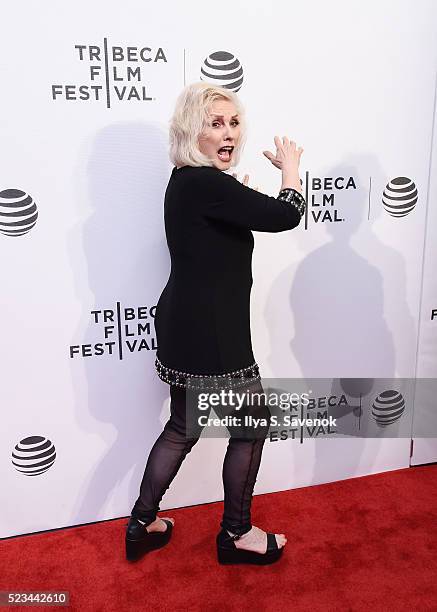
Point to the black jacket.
(202, 319)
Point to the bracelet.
(293, 197)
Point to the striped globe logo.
(33, 455)
(222, 69)
(18, 213)
(400, 196)
(388, 407)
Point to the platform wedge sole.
(228, 557)
(228, 553)
(136, 546)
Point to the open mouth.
(225, 153)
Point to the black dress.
(202, 319)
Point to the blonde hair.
(190, 118)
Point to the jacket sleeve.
(227, 199)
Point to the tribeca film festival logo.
(323, 192)
(222, 69)
(33, 455)
(321, 416)
(114, 73)
(124, 330)
(18, 212)
(399, 197)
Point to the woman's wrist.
(291, 182)
(297, 188)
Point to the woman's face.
(223, 130)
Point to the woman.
(202, 316)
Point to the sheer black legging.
(240, 465)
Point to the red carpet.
(363, 543)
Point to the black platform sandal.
(140, 541)
(227, 552)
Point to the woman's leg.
(165, 459)
(241, 465)
(240, 470)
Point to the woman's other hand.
(287, 159)
(245, 180)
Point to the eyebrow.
(221, 116)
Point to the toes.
(281, 540)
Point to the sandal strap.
(227, 537)
(237, 533)
(271, 542)
(168, 523)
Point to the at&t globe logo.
(222, 69)
(33, 455)
(400, 196)
(388, 407)
(18, 213)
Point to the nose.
(227, 135)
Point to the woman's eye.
(215, 123)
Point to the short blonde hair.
(190, 118)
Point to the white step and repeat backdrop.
(87, 91)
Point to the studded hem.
(236, 378)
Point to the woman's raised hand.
(287, 159)
(245, 180)
(286, 154)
